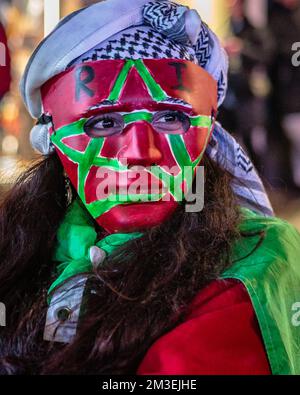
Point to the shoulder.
(252, 221)
(220, 335)
(273, 237)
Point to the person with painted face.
(106, 265)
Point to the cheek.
(70, 167)
(77, 143)
(169, 159)
(195, 141)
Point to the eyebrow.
(104, 103)
(168, 100)
(173, 100)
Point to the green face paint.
(147, 149)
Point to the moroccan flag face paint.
(130, 133)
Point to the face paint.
(113, 118)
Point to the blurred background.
(262, 107)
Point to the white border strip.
(51, 15)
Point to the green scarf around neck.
(75, 236)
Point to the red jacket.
(5, 76)
(220, 336)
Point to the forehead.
(127, 86)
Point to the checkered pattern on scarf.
(169, 19)
(246, 183)
(139, 42)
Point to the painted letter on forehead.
(84, 76)
(179, 72)
(159, 78)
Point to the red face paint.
(137, 92)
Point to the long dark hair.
(141, 292)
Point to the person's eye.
(104, 125)
(171, 122)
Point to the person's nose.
(139, 146)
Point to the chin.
(136, 217)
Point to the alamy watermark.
(152, 184)
(296, 54)
(2, 314)
(296, 315)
